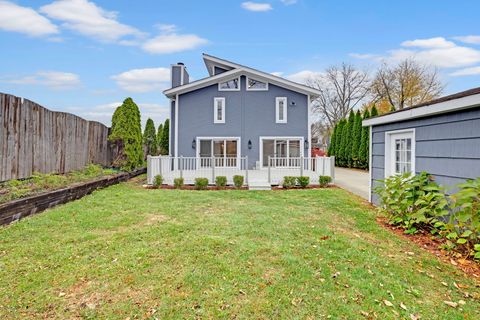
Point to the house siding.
(447, 146)
(248, 115)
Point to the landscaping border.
(18, 209)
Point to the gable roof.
(454, 102)
(236, 70)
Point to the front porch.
(190, 168)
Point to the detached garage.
(441, 137)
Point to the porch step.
(259, 185)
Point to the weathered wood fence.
(35, 139)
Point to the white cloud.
(87, 18)
(471, 39)
(363, 56)
(169, 41)
(143, 80)
(52, 79)
(466, 72)
(24, 20)
(437, 42)
(304, 76)
(289, 2)
(256, 6)
(277, 73)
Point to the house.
(238, 121)
(441, 137)
(238, 111)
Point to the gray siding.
(218, 70)
(248, 115)
(447, 146)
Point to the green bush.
(303, 181)
(201, 183)
(289, 182)
(157, 181)
(221, 181)
(323, 181)
(178, 183)
(238, 181)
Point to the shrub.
(323, 181)
(221, 181)
(303, 181)
(238, 181)
(178, 183)
(157, 181)
(201, 183)
(289, 182)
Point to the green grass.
(129, 252)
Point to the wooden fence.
(35, 139)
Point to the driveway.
(353, 180)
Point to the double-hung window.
(281, 110)
(219, 110)
(399, 152)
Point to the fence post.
(269, 174)
(181, 166)
(246, 170)
(149, 169)
(332, 168)
(301, 166)
(213, 169)
(160, 164)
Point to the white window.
(281, 110)
(399, 152)
(219, 110)
(230, 85)
(256, 85)
(225, 151)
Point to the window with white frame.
(230, 85)
(219, 110)
(399, 152)
(281, 110)
(256, 85)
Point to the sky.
(86, 56)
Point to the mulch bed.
(191, 187)
(432, 244)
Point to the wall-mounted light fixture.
(306, 144)
(293, 103)
(194, 144)
(249, 144)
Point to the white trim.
(228, 89)
(170, 128)
(370, 174)
(285, 110)
(309, 121)
(215, 119)
(239, 145)
(260, 145)
(176, 126)
(256, 89)
(428, 110)
(389, 162)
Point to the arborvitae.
(342, 153)
(374, 112)
(349, 136)
(338, 142)
(356, 138)
(127, 135)
(159, 138)
(165, 137)
(364, 144)
(150, 138)
(331, 147)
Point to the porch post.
(213, 169)
(269, 175)
(181, 166)
(301, 166)
(246, 170)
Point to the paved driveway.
(353, 180)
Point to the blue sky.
(85, 57)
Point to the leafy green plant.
(323, 181)
(303, 181)
(157, 181)
(238, 181)
(289, 182)
(178, 183)
(221, 181)
(201, 183)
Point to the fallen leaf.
(410, 253)
(404, 307)
(414, 317)
(445, 284)
(336, 274)
(388, 303)
(453, 262)
(364, 313)
(461, 302)
(61, 294)
(451, 304)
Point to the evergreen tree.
(349, 136)
(343, 144)
(356, 138)
(150, 138)
(126, 134)
(165, 137)
(331, 147)
(159, 138)
(373, 112)
(364, 144)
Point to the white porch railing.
(190, 168)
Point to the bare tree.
(342, 89)
(406, 84)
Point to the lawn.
(302, 254)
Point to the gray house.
(238, 112)
(441, 137)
